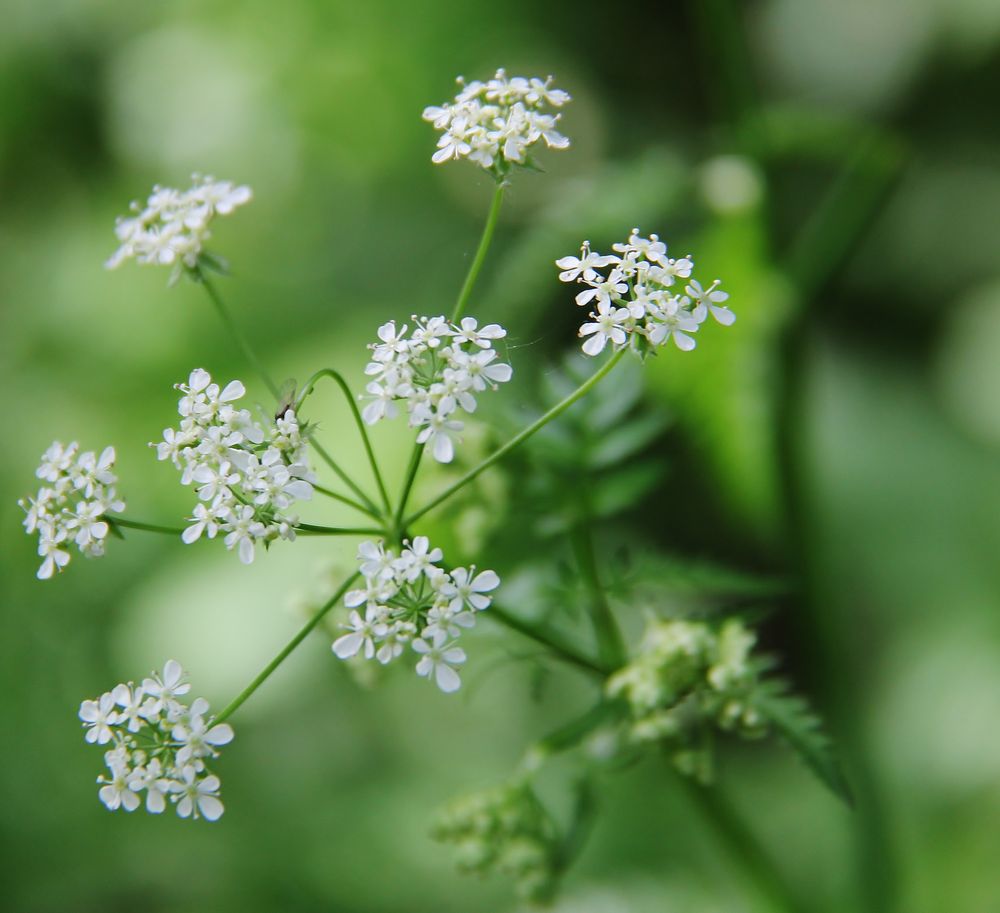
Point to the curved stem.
(369, 507)
(238, 701)
(480, 257)
(520, 438)
(310, 530)
(544, 635)
(198, 274)
(610, 644)
(146, 527)
(411, 475)
(744, 848)
(362, 430)
(350, 502)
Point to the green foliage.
(792, 717)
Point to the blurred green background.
(836, 164)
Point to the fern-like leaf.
(795, 721)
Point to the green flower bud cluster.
(687, 677)
(505, 829)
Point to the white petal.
(447, 679)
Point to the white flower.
(99, 716)
(173, 226)
(194, 796)
(634, 304)
(438, 659)
(160, 746)
(495, 124)
(409, 594)
(73, 509)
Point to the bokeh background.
(836, 163)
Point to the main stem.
(520, 438)
(146, 527)
(610, 644)
(756, 865)
(238, 701)
(220, 306)
(480, 257)
(411, 475)
(338, 378)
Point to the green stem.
(362, 430)
(610, 643)
(480, 257)
(146, 527)
(744, 849)
(198, 274)
(520, 438)
(238, 701)
(369, 505)
(357, 505)
(411, 475)
(549, 638)
(310, 529)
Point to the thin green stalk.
(362, 430)
(238, 701)
(744, 849)
(220, 306)
(357, 505)
(146, 527)
(549, 638)
(520, 438)
(411, 475)
(370, 507)
(480, 257)
(310, 530)
(610, 643)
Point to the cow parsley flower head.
(495, 123)
(247, 475)
(435, 370)
(408, 600)
(172, 227)
(158, 746)
(69, 511)
(641, 297)
(685, 676)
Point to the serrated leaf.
(624, 488)
(628, 439)
(792, 717)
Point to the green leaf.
(627, 440)
(794, 720)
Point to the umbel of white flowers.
(246, 475)
(157, 745)
(410, 601)
(495, 123)
(436, 369)
(70, 510)
(171, 229)
(636, 302)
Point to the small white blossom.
(247, 475)
(435, 369)
(159, 746)
(173, 226)
(411, 601)
(634, 304)
(495, 124)
(71, 510)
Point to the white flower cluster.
(246, 475)
(636, 300)
(71, 509)
(157, 744)
(436, 370)
(174, 224)
(409, 601)
(688, 674)
(494, 123)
